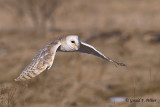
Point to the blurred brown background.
(125, 30)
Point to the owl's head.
(71, 43)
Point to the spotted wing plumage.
(86, 48)
(43, 60)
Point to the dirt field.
(124, 30)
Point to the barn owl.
(45, 57)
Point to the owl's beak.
(77, 46)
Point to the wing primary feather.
(86, 48)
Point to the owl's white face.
(71, 43)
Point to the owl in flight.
(45, 57)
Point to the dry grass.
(85, 80)
(81, 80)
(7, 95)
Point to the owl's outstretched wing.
(86, 48)
(43, 60)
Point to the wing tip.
(118, 63)
(121, 64)
(16, 79)
(19, 79)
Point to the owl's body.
(45, 57)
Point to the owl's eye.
(72, 41)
